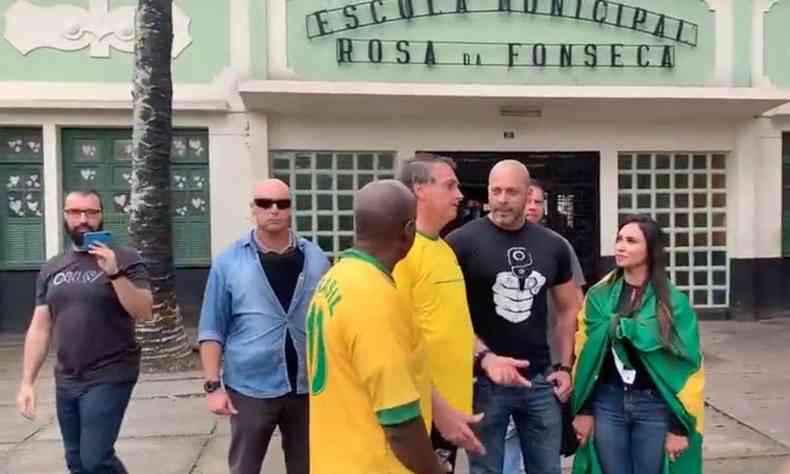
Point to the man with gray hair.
(431, 282)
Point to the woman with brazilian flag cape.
(676, 370)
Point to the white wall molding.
(725, 40)
(88, 95)
(277, 39)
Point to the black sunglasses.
(264, 203)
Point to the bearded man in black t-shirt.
(510, 266)
(89, 300)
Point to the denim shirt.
(242, 313)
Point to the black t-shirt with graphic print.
(507, 275)
(93, 333)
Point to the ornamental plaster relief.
(70, 28)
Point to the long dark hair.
(656, 274)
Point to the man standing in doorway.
(510, 266)
(90, 299)
(535, 210)
(252, 325)
(370, 392)
(431, 283)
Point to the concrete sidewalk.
(167, 429)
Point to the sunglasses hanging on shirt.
(264, 203)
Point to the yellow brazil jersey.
(431, 282)
(366, 368)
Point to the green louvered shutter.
(189, 193)
(101, 159)
(21, 199)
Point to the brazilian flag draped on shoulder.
(677, 371)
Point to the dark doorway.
(572, 195)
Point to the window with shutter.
(189, 194)
(21, 199)
(101, 159)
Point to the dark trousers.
(90, 419)
(252, 429)
(630, 429)
(445, 450)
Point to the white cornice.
(92, 96)
(508, 90)
(371, 99)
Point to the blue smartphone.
(91, 238)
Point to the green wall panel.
(777, 37)
(200, 62)
(258, 38)
(488, 34)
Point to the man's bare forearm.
(412, 446)
(568, 300)
(563, 336)
(211, 359)
(138, 302)
(36, 347)
(565, 332)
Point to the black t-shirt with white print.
(93, 333)
(508, 275)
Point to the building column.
(608, 185)
(53, 216)
(754, 224)
(258, 141)
(233, 173)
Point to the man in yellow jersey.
(432, 284)
(369, 388)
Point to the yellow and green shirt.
(366, 368)
(431, 282)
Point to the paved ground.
(167, 430)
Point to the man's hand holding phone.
(96, 244)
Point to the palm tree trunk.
(164, 343)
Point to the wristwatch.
(560, 367)
(211, 386)
(478, 362)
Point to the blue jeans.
(90, 418)
(536, 412)
(630, 429)
(514, 461)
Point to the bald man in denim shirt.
(252, 332)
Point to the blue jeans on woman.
(90, 417)
(538, 417)
(630, 429)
